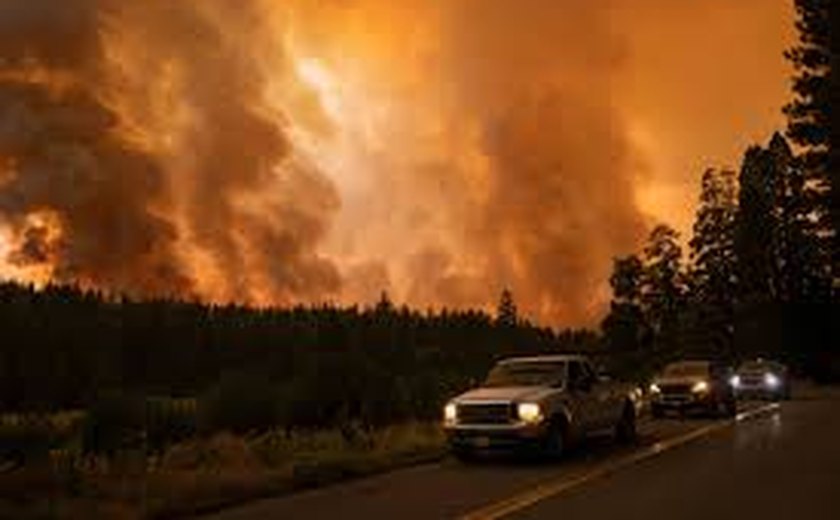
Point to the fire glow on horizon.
(327, 151)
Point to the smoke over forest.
(272, 152)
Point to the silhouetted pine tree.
(713, 274)
(663, 287)
(506, 313)
(625, 328)
(809, 123)
(756, 229)
(800, 272)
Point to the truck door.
(606, 403)
(582, 393)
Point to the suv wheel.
(625, 430)
(464, 455)
(730, 408)
(657, 412)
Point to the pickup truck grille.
(485, 413)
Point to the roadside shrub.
(169, 421)
(342, 389)
(24, 438)
(239, 403)
(115, 422)
(31, 437)
(223, 451)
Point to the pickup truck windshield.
(526, 374)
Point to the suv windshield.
(530, 373)
(758, 366)
(687, 368)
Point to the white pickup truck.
(545, 403)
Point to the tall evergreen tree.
(712, 244)
(625, 327)
(663, 289)
(802, 276)
(713, 274)
(776, 240)
(755, 229)
(780, 264)
(809, 115)
(626, 280)
(384, 305)
(506, 314)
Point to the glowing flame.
(30, 252)
(313, 72)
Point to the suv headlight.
(529, 412)
(450, 413)
(771, 380)
(700, 387)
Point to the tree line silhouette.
(65, 348)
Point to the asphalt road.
(774, 462)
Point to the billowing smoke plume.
(140, 153)
(504, 162)
(276, 152)
(560, 168)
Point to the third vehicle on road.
(763, 379)
(693, 385)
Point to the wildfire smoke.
(276, 152)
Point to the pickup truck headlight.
(450, 413)
(654, 388)
(735, 381)
(529, 412)
(700, 387)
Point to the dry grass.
(208, 474)
(205, 474)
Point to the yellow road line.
(549, 489)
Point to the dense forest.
(65, 346)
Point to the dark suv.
(700, 385)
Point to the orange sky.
(704, 80)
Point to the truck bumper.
(476, 438)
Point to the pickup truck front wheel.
(556, 441)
